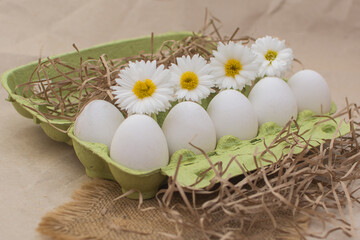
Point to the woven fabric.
(94, 214)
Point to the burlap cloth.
(93, 214)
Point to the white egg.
(273, 101)
(233, 114)
(189, 122)
(311, 91)
(140, 144)
(98, 122)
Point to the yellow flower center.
(189, 80)
(143, 89)
(270, 55)
(232, 67)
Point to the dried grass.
(63, 95)
(315, 185)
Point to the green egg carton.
(311, 127)
(116, 49)
(97, 162)
(95, 156)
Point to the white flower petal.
(198, 66)
(241, 53)
(139, 71)
(281, 64)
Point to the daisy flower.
(143, 88)
(234, 66)
(274, 57)
(191, 77)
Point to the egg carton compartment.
(97, 162)
(116, 49)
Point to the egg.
(311, 91)
(233, 114)
(98, 122)
(273, 101)
(139, 144)
(189, 122)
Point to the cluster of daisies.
(144, 88)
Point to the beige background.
(38, 174)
